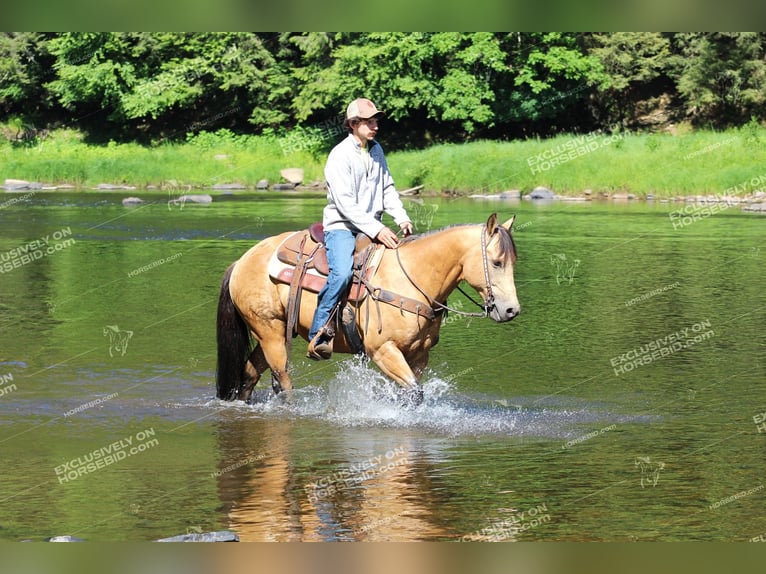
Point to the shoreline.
(19, 190)
(689, 167)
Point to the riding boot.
(320, 347)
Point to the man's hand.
(387, 238)
(406, 228)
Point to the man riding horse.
(290, 284)
(359, 190)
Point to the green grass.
(700, 162)
(664, 165)
(63, 158)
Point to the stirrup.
(320, 347)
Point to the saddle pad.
(290, 248)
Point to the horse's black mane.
(507, 245)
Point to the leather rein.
(489, 301)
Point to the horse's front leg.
(418, 361)
(391, 361)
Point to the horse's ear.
(491, 224)
(509, 224)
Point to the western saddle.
(305, 250)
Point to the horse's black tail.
(233, 340)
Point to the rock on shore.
(229, 186)
(754, 202)
(510, 194)
(292, 174)
(64, 538)
(202, 198)
(113, 187)
(541, 193)
(21, 185)
(217, 536)
(756, 207)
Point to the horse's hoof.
(286, 397)
(412, 397)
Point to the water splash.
(360, 396)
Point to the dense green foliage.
(437, 87)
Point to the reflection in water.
(378, 498)
(272, 492)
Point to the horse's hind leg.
(255, 366)
(258, 363)
(272, 343)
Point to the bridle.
(489, 300)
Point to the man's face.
(366, 130)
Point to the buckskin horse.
(398, 306)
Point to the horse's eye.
(497, 264)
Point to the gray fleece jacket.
(360, 189)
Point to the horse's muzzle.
(503, 313)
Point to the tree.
(722, 75)
(550, 75)
(169, 83)
(444, 86)
(25, 66)
(637, 65)
(419, 78)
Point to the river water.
(626, 402)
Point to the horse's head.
(490, 270)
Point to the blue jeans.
(340, 259)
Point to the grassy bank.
(660, 164)
(204, 161)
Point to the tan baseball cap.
(362, 108)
